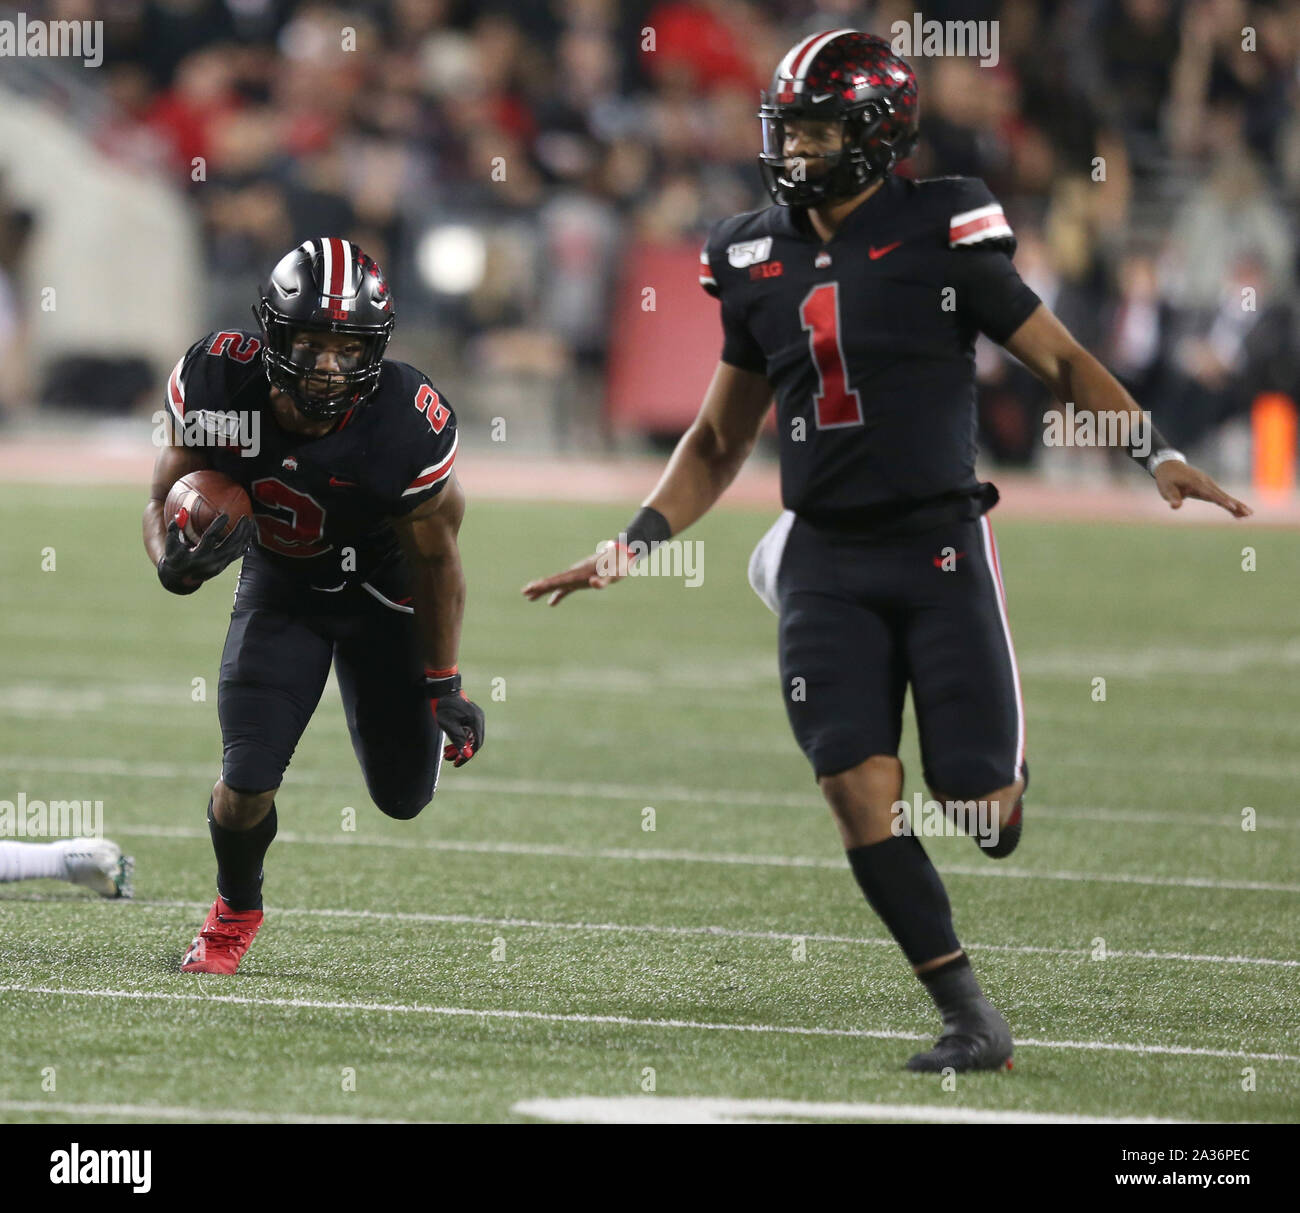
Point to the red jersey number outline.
(428, 402)
(239, 346)
(302, 534)
(836, 405)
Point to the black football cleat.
(981, 1043)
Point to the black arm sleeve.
(991, 296)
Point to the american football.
(198, 499)
(760, 584)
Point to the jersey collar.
(796, 223)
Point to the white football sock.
(32, 861)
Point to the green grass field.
(527, 938)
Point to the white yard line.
(475, 784)
(750, 669)
(1194, 762)
(161, 1112)
(713, 932)
(48, 697)
(402, 1008)
(556, 851)
(1173, 882)
(715, 1110)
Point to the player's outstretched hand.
(594, 573)
(1177, 481)
(183, 568)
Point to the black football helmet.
(847, 76)
(325, 286)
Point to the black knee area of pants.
(903, 887)
(401, 788)
(966, 776)
(257, 791)
(401, 806)
(239, 860)
(249, 762)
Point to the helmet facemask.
(812, 178)
(325, 286)
(292, 370)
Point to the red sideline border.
(490, 474)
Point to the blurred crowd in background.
(500, 159)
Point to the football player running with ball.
(350, 557)
(856, 301)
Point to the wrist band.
(1159, 449)
(648, 527)
(442, 685)
(1164, 455)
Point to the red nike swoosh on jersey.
(336, 483)
(938, 560)
(876, 253)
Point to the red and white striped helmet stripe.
(338, 273)
(799, 58)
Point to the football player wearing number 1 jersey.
(856, 300)
(350, 559)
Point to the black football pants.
(861, 620)
(283, 637)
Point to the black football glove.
(461, 719)
(183, 568)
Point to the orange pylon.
(1273, 446)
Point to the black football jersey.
(868, 339)
(322, 505)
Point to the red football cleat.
(222, 942)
